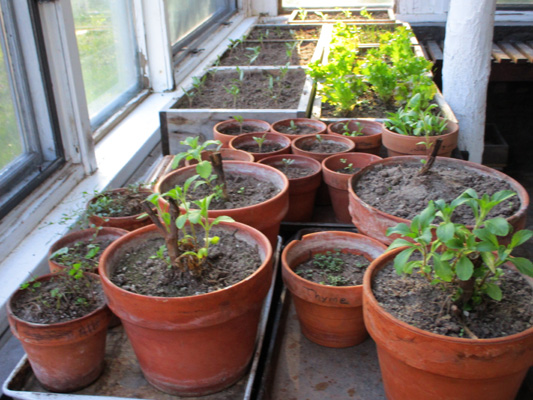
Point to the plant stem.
(431, 159)
(216, 161)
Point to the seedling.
(256, 51)
(287, 162)
(198, 83)
(302, 13)
(190, 96)
(348, 168)
(321, 15)
(463, 261)
(365, 14)
(293, 126)
(240, 120)
(234, 90)
(289, 49)
(194, 151)
(260, 141)
(346, 131)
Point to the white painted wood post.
(466, 69)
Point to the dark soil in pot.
(294, 171)
(254, 92)
(236, 131)
(283, 33)
(399, 190)
(85, 253)
(334, 268)
(347, 171)
(58, 299)
(415, 301)
(265, 148)
(296, 130)
(324, 147)
(141, 271)
(270, 54)
(118, 204)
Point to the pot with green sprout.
(364, 133)
(226, 130)
(261, 145)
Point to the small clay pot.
(317, 127)
(247, 139)
(369, 142)
(302, 191)
(401, 145)
(253, 125)
(226, 154)
(300, 143)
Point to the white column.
(466, 69)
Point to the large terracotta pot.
(330, 316)
(369, 142)
(338, 182)
(374, 223)
(419, 365)
(226, 154)
(265, 216)
(129, 223)
(401, 145)
(247, 139)
(191, 345)
(77, 236)
(252, 125)
(65, 356)
(317, 126)
(302, 191)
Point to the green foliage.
(255, 52)
(346, 131)
(194, 151)
(260, 141)
(451, 255)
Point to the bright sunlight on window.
(108, 53)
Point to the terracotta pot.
(419, 365)
(226, 154)
(247, 139)
(191, 345)
(77, 236)
(330, 316)
(265, 216)
(318, 126)
(338, 182)
(65, 356)
(255, 124)
(401, 145)
(128, 223)
(374, 223)
(302, 191)
(323, 197)
(369, 142)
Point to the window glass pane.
(186, 15)
(107, 48)
(336, 3)
(11, 144)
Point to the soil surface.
(236, 131)
(39, 305)
(255, 91)
(294, 171)
(229, 261)
(242, 190)
(270, 53)
(85, 253)
(283, 33)
(347, 171)
(370, 107)
(116, 204)
(412, 299)
(338, 15)
(325, 147)
(399, 191)
(265, 148)
(334, 268)
(297, 130)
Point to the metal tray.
(122, 377)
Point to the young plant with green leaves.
(347, 131)
(240, 120)
(194, 151)
(260, 141)
(464, 262)
(254, 53)
(234, 90)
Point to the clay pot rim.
(520, 191)
(234, 122)
(258, 236)
(221, 151)
(272, 137)
(327, 137)
(124, 218)
(369, 297)
(317, 167)
(299, 120)
(56, 324)
(300, 280)
(375, 124)
(326, 161)
(451, 129)
(280, 174)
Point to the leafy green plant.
(289, 49)
(302, 13)
(292, 126)
(321, 15)
(365, 14)
(260, 141)
(348, 167)
(255, 52)
(240, 120)
(462, 261)
(194, 151)
(234, 90)
(346, 131)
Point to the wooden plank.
(434, 50)
(512, 52)
(499, 55)
(525, 50)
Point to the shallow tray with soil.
(346, 15)
(284, 32)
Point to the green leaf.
(195, 216)
(181, 220)
(521, 237)
(490, 261)
(523, 265)
(399, 243)
(204, 169)
(409, 266)
(454, 244)
(400, 229)
(443, 269)
(61, 251)
(502, 195)
(223, 218)
(401, 259)
(486, 246)
(498, 226)
(485, 235)
(494, 291)
(446, 231)
(464, 268)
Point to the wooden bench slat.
(499, 55)
(525, 49)
(434, 50)
(512, 52)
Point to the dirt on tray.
(257, 90)
(269, 53)
(414, 300)
(334, 268)
(283, 33)
(400, 191)
(229, 261)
